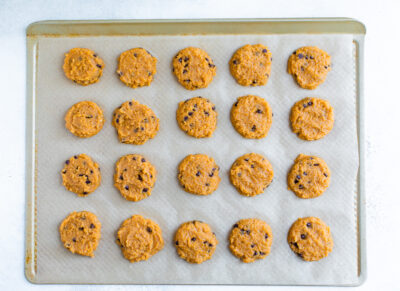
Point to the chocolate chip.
(298, 177)
(85, 193)
(246, 160)
(185, 118)
(140, 178)
(211, 65)
(325, 174)
(149, 230)
(300, 56)
(187, 81)
(143, 160)
(262, 253)
(316, 165)
(252, 245)
(255, 253)
(190, 113)
(127, 187)
(213, 108)
(210, 245)
(266, 236)
(235, 62)
(253, 128)
(87, 182)
(325, 67)
(248, 231)
(308, 224)
(206, 113)
(64, 171)
(294, 52)
(252, 166)
(145, 190)
(184, 71)
(121, 177)
(259, 111)
(75, 157)
(211, 174)
(236, 104)
(254, 81)
(81, 228)
(142, 128)
(301, 186)
(193, 239)
(74, 239)
(117, 120)
(303, 236)
(235, 225)
(177, 243)
(92, 225)
(207, 184)
(150, 73)
(186, 59)
(300, 255)
(296, 181)
(198, 173)
(180, 60)
(309, 103)
(311, 57)
(305, 173)
(264, 51)
(99, 66)
(95, 55)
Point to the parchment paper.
(169, 205)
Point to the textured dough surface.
(195, 242)
(310, 238)
(309, 66)
(84, 119)
(81, 175)
(251, 116)
(80, 233)
(199, 174)
(250, 240)
(309, 176)
(139, 238)
(250, 65)
(197, 117)
(136, 67)
(134, 177)
(251, 174)
(312, 118)
(193, 68)
(83, 66)
(135, 123)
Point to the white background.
(382, 103)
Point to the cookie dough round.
(80, 233)
(309, 177)
(193, 68)
(310, 238)
(199, 174)
(251, 174)
(83, 66)
(250, 239)
(139, 238)
(136, 67)
(84, 119)
(134, 177)
(250, 65)
(197, 117)
(251, 116)
(195, 242)
(135, 123)
(312, 118)
(81, 175)
(309, 66)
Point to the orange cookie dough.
(250, 65)
(81, 175)
(135, 123)
(139, 238)
(195, 242)
(250, 240)
(193, 68)
(310, 238)
(199, 174)
(309, 66)
(83, 66)
(197, 117)
(312, 118)
(80, 233)
(309, 177)
(136, 67)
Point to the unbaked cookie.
(309, 66)
(81, 175)
(84, 119)
(199, 174)
(139, 238)
(135, 123)
(251, 116)
(83, 66)
(80, 233)
(136, 67)
(193, 68)
(195, 242)
(250, 65)
(312, 118)
(251, 174)
(134, 177)
(310, 238)
(250, 240)
(197, 117)
(309, 177)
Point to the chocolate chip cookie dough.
(251, 116)
(193, 68)
(309, 66)
(135, 123)
(199, 174)
(309, 177)
(250, 240)
(250, 65)
(251, 174)
(197, 117)
(195, 242)
(139, 238)
(80, 233)
(134, 177)
(312, 118)
(136, 67)
(83, 66)
(81, 175)
(84, 119)
(310, 238)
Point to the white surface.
(382, 43)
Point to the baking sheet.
(169, 205)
